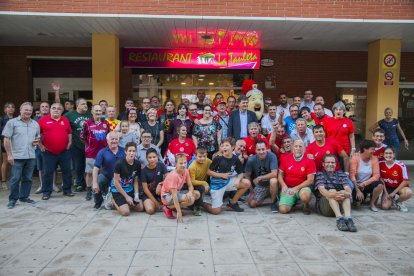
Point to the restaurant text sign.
(179, 58)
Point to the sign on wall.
(196, 59)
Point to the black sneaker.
(342, 225)
(68, 194)
(88, 195)
(274, 207)
(235, 207)
(351, 226)
(11, 204)
(27, 200)
(98, 205)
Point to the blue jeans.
(22, 170)
(50, 162)
(103, 184)
(78, 157)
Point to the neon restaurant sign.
(192, 58)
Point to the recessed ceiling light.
(211, 83)
(149, 75)
(200, 79)
(183, 83)
(202, 76)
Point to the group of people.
(152, 157)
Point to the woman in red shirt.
(342, 129)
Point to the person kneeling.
(173, 195)
(334, 191)
(296, 174)
(394, 175)
(124, 186)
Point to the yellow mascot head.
(249, 88)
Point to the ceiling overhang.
(305, 34)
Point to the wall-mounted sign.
(266, 62)
(389, 75)
(179, 58)
(390, 60)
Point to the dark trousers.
(22, 171)
(78, 157)
(201, 190)
(103, 184)
(50, 162)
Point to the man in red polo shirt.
(253, 137)
(320, 117)
(56, 140)
(275, 137)
(323, 146)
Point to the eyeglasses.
(146, 102)
(193, 109)
(146, 137)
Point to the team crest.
(62, 123)
(302, 169)
(344, 125)
(395, 173)
(182, 149)
(328, 152)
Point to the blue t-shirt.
(106, 160)
(127, 174)
(290, 125)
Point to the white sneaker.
(108, 201)
(402, 207)
(39, 190)
(56, 189)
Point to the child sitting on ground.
(198, 173)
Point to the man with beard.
(253, 137)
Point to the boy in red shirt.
(378, 137)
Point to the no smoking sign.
(390, 60)
(389, 75)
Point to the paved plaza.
(65, 236)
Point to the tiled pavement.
(65, 236)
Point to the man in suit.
(239, 119)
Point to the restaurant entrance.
(182, 85)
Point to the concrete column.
(383, 79)
(105, 68)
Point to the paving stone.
(288, 269)
(271, 256)
(232, 256)
(64, 271)
(153, 258)
(316, 269)
(195, 257)
(236, 270)
(112, 258)
(149, 271)
(365, 267)
(106, 270)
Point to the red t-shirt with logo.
(379, 152)
(296, 172)
(188, 147)
(55, 133)
(330, 147)
(251, 144)
(340, 129)
(324, 121)
(393, 175)
(95, 136)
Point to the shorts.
(120, 199)
(217, 195)
(323, 207)
(391, 189)
(3, 149)
(367, 190)
(285, 199)
(89, 163)
(261, 192)
(144, 197)
(167, 198)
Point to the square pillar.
(105, 68)
(384, 59)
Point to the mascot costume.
(249, 88)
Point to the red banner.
(209, 59)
